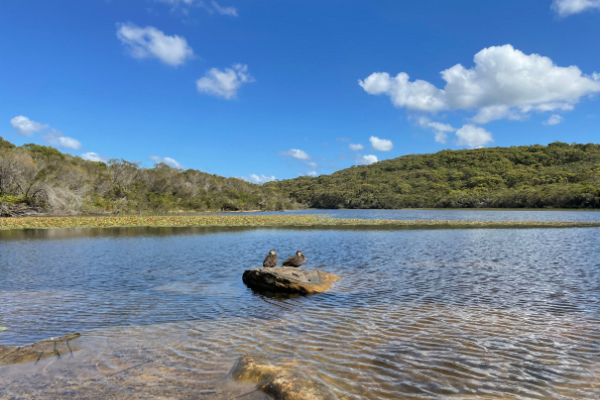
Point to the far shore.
(258, 221)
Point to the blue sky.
(263, 89)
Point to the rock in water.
(289, 280)
(281, 383)
(54, 347)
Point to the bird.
(271, 260)
(295, 261)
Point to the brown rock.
(280, 383)
(289, 280)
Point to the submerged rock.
(54, 347)
(289, 280)
(280, 383)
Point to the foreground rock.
(54, 347)
(280, 383)
(289, 280)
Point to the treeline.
(38, 179)
(558, 175)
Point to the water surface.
(419, 314)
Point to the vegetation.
(38, 179)
(558, 175)
(263, 221)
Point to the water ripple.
(443, 314)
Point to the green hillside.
(557, 175)
(39, 179)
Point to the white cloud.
(258, 178)
(178, 3)
(312, 164)
(492, 113)
(25, 126)
(504, 83)
(368, 159)
(554, 120)
(185, 5)
(149, 42)
(473, 136)
(439, 129)
(310, 173)
(91, 156)
(231, 11)
(356, 147)
(225, 83)
(418, 95)
(56, 138)
(166, 160)
(381, 144)
(565, 8)
(295, 153)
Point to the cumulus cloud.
(554, 120)
(224, 84)
(473, 136)
(166, 160)
(150, 42)
(56, 138)
(440, 130)
(381, 144)
(503, 83)
(368, 159)
(356, 147)
(91, 156)
(312, 164)
(253, 178)
(25, 126)
(564, 8)
(295, 153)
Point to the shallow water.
(419, 314)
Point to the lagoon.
(419, 313)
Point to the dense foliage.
(557, 175)
(37, 179)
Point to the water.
(419, 314)
(454, 214)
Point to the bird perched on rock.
(295, 261)
(271, 260)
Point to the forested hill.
(557, 175)
(39, 179)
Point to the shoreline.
(266, 221)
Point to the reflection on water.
(419, 314)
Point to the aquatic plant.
(262, 221)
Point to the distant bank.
(40, 180)
(555, 176)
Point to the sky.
(271, 89)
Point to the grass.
(260, 221)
